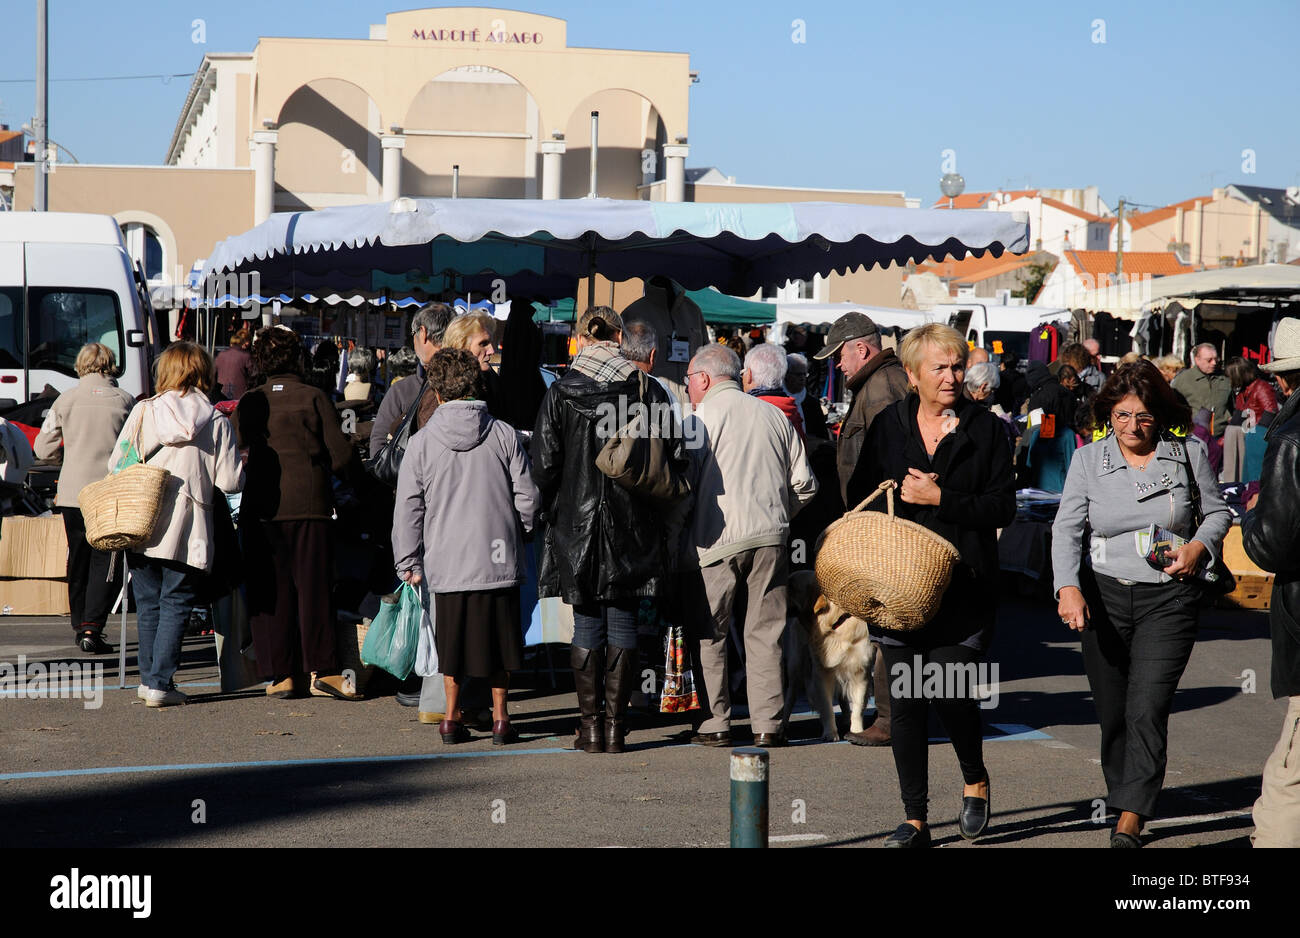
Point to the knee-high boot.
(589, 677)
(620, 678)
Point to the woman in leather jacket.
(604, 548)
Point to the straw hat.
(1286, 347)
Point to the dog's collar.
(840, 621)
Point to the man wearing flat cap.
(877, 379)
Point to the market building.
(476, 102)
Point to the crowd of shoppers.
(751, 457)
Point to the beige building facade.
(471, 101)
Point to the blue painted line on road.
(1016, 732)
(272, 764)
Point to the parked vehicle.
(66, 279)
(998, 328)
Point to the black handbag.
(1224, 582)
(385, 464)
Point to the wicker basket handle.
(887, 487)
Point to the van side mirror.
(135, 337)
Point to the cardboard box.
(33, 597)
(1254, 591)
(1234, 555)
(33, 548)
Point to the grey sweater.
(1118, 501)
(465, 496)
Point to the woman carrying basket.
(951, 461)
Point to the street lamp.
(952, 185)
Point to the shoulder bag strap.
(1194, 488)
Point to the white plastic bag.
(426, 655)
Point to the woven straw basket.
(887, 571)
(121, 510)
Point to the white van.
(66, 279)
(999, 328)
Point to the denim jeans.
(165, 593)
(596, 623)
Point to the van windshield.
(1000, 342)
(62, 320)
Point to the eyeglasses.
(1122, 416)
(692, 374)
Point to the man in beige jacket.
(750, 476)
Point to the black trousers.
(1135, 652)
(909, 725)
(288, 573)
(90, 594)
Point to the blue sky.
(1160, 111)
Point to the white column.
(393, 145)
(675, 170)
(552, 168)
(264, 174)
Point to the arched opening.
(328, 152)
(146, 249)
(631, 142)
(482, 120)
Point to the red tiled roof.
(1066, 207)
(7, 135)
(1144, 219)
(980, 199)
(6, 165)
(1099, 264)
(972, 268)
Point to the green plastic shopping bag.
(394, 634)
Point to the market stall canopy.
(1228, 284)
(718, 309)
(825, 314)
(540, 248)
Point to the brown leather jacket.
(875, 386)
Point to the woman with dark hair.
(604, 547)
(294, 442)
(464, 501)
(1138, 621)
(1252, 393)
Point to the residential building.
(1218, 230)
(1082, 271)
(1281, 207)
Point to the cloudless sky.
(1161, 111)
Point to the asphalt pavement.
(248, 770)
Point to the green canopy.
(718, 309)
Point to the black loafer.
(408, 700)
(908, 836)
(1120, 839)
(974, 817)
(770, 740)
(711, 739)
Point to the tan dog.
(834, 646)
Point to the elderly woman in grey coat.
(1138, 620)
(86, 420)
(465, 499)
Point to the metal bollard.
(749, 797)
